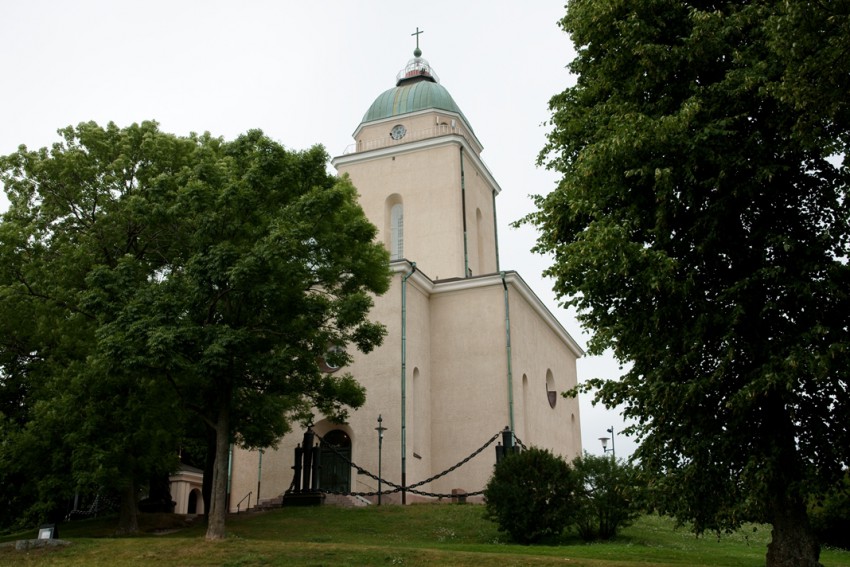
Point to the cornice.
(511, 278)
(419, 145)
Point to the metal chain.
(411, 488)
(520, 443)
(100, 505)
(359, 469)
(459, 464)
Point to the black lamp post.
(380, 429)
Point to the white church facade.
(470, 349)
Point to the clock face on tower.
(398, 132)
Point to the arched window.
(479, 236)
(417, 413)
(550, 389)
(397, 232)
(525, 434)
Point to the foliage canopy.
(171, 274)
(701, 229)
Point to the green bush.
(531, 495)
(608, 498)
(831, 516)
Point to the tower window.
(397, 232)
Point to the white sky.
(304, 73)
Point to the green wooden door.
(335, 474)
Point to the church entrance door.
(336, 467)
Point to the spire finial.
(417, 52)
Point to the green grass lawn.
(388, 535)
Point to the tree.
(20, 386)
(70, 217)
(609, 497)
(531, 495)
(831, 515)
(276, 271)
(222, 270)
(701, 230)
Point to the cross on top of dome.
(417, 52)
(416, 68)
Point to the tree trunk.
(128, 519)
(793, 544)
(209, 468)
(218, 506)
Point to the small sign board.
(47, 531)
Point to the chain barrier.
(411, 488)
(520, 443)
(101, 505)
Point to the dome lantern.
(416, 68)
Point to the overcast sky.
(304, 73)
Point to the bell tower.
(416, 163)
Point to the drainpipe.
(229, 473)
(259, 475)
(404, 382)
(463, 212)
(508, 347)
(496, 231)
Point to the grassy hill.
(388, 535)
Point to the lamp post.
(604, 441)
(380, 429)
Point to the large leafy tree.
(224, 270)
(72, 426)
(701, 230)
(277, 271)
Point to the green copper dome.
(411, 97)
(417, 88)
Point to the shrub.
(830, 516)
(531, 495)
(608, 497)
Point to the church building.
(470, 349)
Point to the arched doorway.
(193, 502)
(335, 474)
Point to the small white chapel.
(470, 348)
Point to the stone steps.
(346, 501)
(268, 504)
